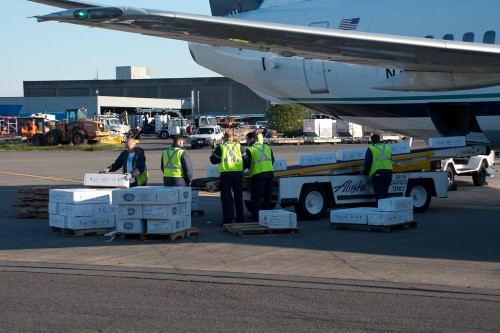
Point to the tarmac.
(454, 249)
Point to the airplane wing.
(387, 51)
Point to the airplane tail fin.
(225, 7)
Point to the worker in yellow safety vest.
(259, 160)
(133, 163)
(230, 159)
(378, 166)
(176, 164)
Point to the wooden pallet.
(159, 237)
(366, 227)
(82, 232)
(254, 229)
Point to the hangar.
(207, 95)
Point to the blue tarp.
(10, 110)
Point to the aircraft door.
(314, 69)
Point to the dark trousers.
(261, 195)
(381, 182)
(174, 181)
(230, 185)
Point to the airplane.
(421, 68)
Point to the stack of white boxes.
(279, 164)
(105, 180)
(213, 170)
(277, 219)
(390, 211)
(195, 200)
(317, 158)
(153, 209)
(359, 153)
(82, 208)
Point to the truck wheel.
(164, 135)
(421, 195)
(249, 205)
(313, 203)
(479, 177)
(78, 138)
(52, 138)
(451, 178)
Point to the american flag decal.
(349, 24)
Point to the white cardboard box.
(105, 209)
(90, 222)
(357, 215)
(105, 180)
(395, 204)
(58, 221)
(447, 141)
(135, 195)
(194, 194)
(277, 219)
(351, 154)
(400, 147)
(185, 194)
(166, 195)
(166, 211)
(168, 226)
(213, 170)
(195, 204)
(53, 208)
(387, 218)
(80, 195)
(68, 209)
(130, 211)
(131, 226)
(317, 158)
(279, 164)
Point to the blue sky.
(55, 51)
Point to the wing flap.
(388, 51)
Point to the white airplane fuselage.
(347, 91)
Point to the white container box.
(213, 170)
(54, 208)
(351, 154)
(80, 195)
(185, 194)
(387, 218)
(130, 211)
(166, 212)
(166, 195)
(105, 209)
(351, 215)
(105, 180)
(279, 164)
(400, 148)
(68, 209)
(195, 204)
(317, 158)
(168, 226)
(396, 204)
(195, 195)
(135, 195)
(277, 219)
(131, 226)
(58, 221)
(448, 141)
(90, 222)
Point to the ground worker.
(176, 164)
(378, 166)
(230, 159)
(259, 160)
(133, 162)
(260, 137)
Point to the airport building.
(193, 96)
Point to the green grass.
(86, 147)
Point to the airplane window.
(468, 37)
(429, 36)
(489, 37)
(448, 37)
